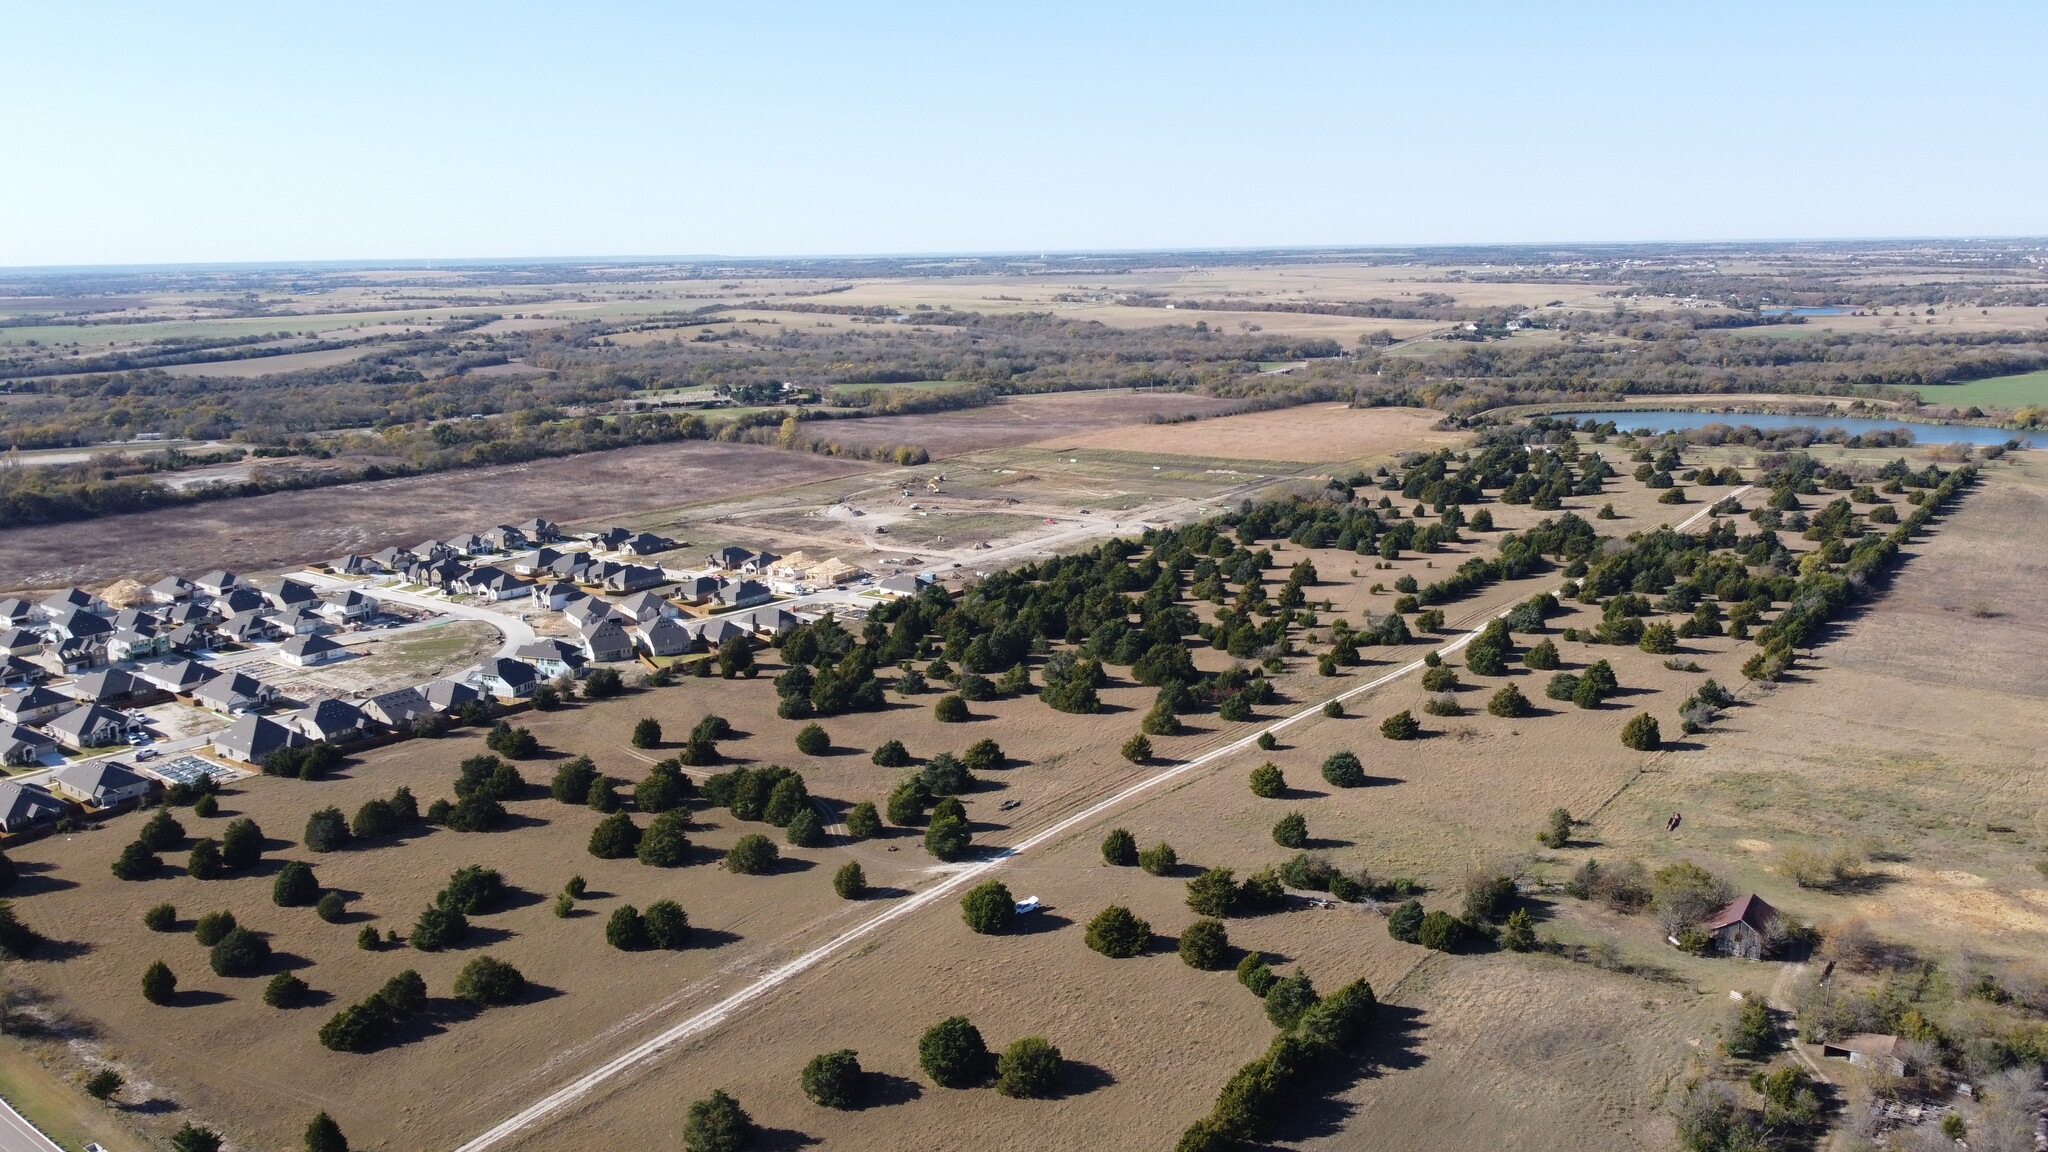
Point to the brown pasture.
(1018, 420)
(1559, 1053)
(1314, 433)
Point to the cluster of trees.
(774, 795)
(369, 1022)
(1317, 1030)
(664, 925)
(953, 1053)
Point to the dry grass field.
(1317, 432)
(1019, 420)
(1060, 762)
(1491, 1049)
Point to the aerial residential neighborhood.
(97, 692)
(1024, 637)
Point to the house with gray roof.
(189, 613)
(634, 578)
(34, 705)
(191, 638)
(76, 656)
(170, 590)
(79, 624)
(20, 642)
(307, 651)
(353, 565)
(901, 584)
(554, 595)
(105, 686)
(22, 746)
(744, 594)
(301, 621)
(251, 739)
(730, 558)
(138, 643)
(540, 531)
(15, 610)
(491, 583)
(28, 807)
(666, 636)
(589, 608)
(535, 561)
(552, 658)
(645, 544)
(102, 784)
(249, 628)
(92, 726)
(442, 573)
(575, 566)
(16, 673)
(717, 631)
(449, 695)
(503, 538)
(235, 692)
(238, 600)
(347, 606)
(71, 600)
(605, 642)
(290, 594)
(505, 677)
(642, 607)
(772, 621)
(177, 674)
(217, 582)
(696, 589)
(397, 709)
(395, 559)
(334, 721)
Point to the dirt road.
(956, 878)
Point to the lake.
(1923, 433)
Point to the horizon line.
(430, 263)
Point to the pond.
(1669, 421)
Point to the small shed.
(1870, 1050)
(1743, 928)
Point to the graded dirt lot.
(1018, 420)
(1312, 433)
(282, 529)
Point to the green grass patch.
(63, 1112)
(90, 334)
(1996, 392)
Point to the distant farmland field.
(1999, 391)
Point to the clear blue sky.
(204, 132)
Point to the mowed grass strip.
(1998, 391)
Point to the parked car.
(146, 754)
